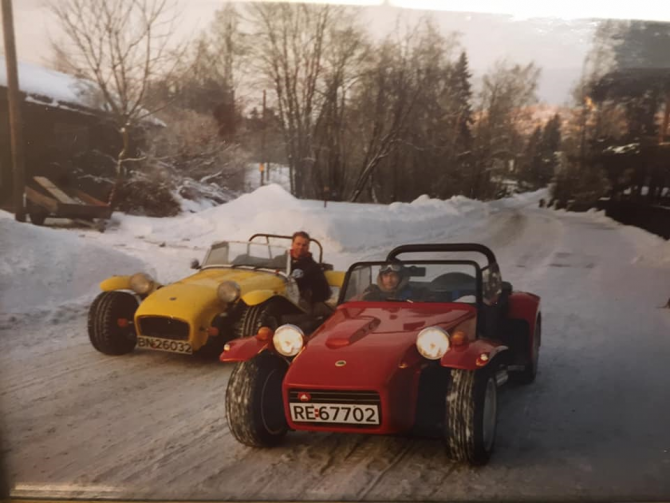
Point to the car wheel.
(254, 402)
(37, 216)
(471, 416)
(254, 317)
(103, 327)
(528, 374)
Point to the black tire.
(254, 402)
(471, 416)
(214, 345)
(37, 216)
(212, 348)
(263, 315)
(103, 330)
(529, 373)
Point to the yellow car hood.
(191, 297)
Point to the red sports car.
(421, 353)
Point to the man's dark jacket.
(313, 284)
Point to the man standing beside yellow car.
(309, 276)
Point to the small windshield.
(243, 254)
(417, 282)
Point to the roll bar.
(443, 247)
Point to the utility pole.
(262, 165)
(15, 121)
(264, 159)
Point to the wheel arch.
(526, 307)
(115, 283)
(244, 349)
(258, 297)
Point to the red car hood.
(363, 343)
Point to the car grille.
(333, 396)
(165, 328)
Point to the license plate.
(342, 413)
(164, 345)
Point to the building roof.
(57, 89)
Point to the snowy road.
(596, 424)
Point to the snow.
(277, 174)
(150, 425)
(42, 266)
(623, 149)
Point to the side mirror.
(195, 264)
(297, 273)
(506, 287)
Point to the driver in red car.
(392, 284)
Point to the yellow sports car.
(239, 287)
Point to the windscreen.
(413, 282)
(243, 254)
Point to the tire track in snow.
(378, 477)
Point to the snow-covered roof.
(63, 90)
(55, 89)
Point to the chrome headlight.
(432, 343)
(141, 283)
(228, 291)
(288, 340)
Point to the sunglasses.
(385, 269)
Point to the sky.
(558, 46)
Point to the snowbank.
(41, 267)
(31, 277)
(341, 227)
(278, 174)
(653, 250)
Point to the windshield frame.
(248, 244)
(356, 265)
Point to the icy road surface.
(596, 424)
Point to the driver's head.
(300, 244)
(391, 276)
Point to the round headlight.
(141, 283)
(228, 291)
(288, 340)
(432, 343)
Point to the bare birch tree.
(290, 45)
(397, 93)
(120, 46)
